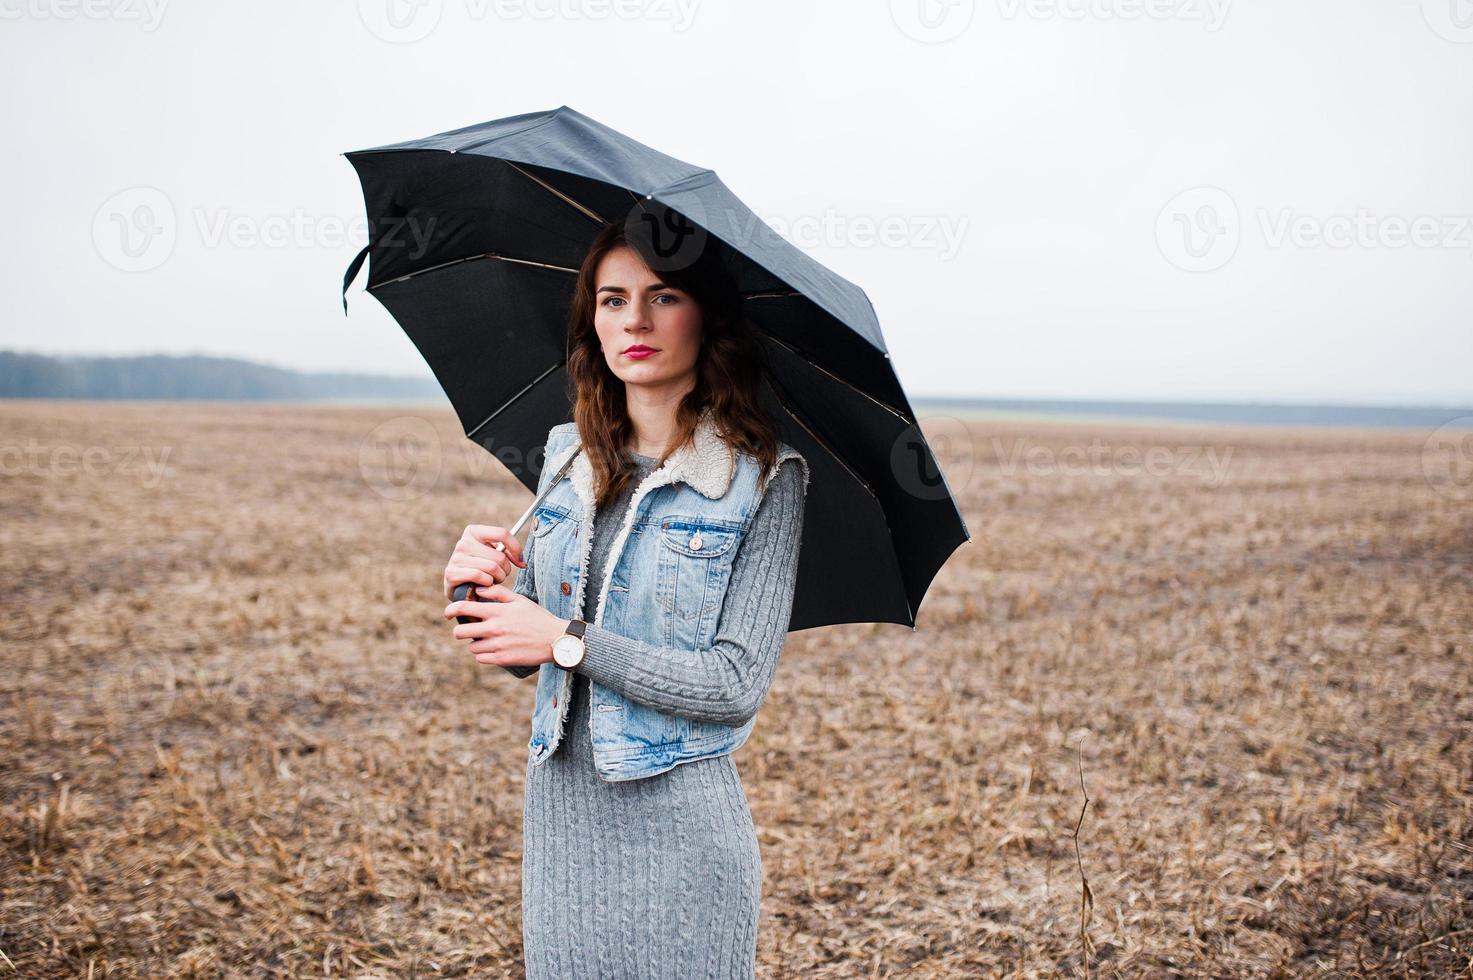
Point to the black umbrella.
(476, 236)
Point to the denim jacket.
(665, 582)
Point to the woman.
(640, 858)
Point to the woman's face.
(633, 309)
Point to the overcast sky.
(1189, 199)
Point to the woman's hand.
(477, 560)
(513, 630)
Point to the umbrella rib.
(796, 351)
(508, 258)
(470, 258)
(803, 357)
(782, 396)
(588, 213)
(781, 392)
(508, 403)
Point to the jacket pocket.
(694, 567)
(556, 529)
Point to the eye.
(670, 296)
(610, 299)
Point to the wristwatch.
(567, 650)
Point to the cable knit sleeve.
(727, 683)
(524, 587)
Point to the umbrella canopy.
(476, 237)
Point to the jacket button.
(567, 589)
(554, 700)
(535, 521)
(695, 541)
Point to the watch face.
(567, 651)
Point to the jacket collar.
(705, 463)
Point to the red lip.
(639, 350)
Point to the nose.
(636, 318)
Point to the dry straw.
(236, 738)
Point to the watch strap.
(576, 628)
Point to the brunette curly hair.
(729, 366)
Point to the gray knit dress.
(661, 876)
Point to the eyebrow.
(620, 289)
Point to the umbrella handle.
(463, 591)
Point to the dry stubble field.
(237, 740)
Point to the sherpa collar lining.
(706, 463)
